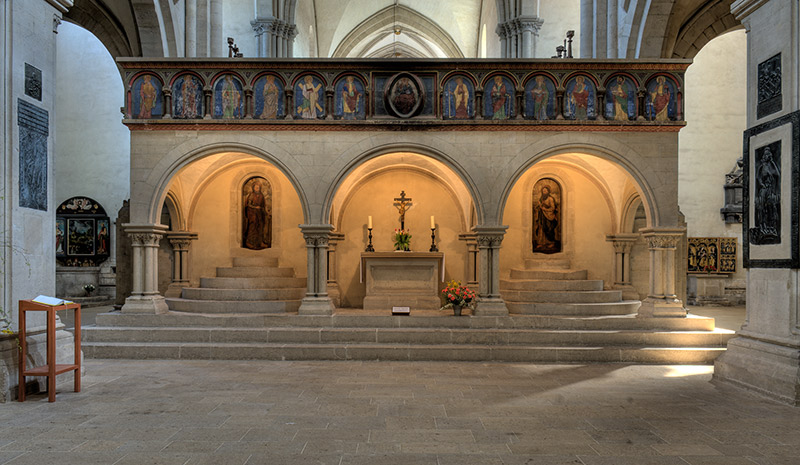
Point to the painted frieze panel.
(621, 101)
(256, 214)
(147, 99)
(547, 216)
(406, 95)
(268, 92)
(580, 99)
(309, 97)
(228, 97)
(498, 98)
(458, 98)
(350, 98)
(187, 97)
(661, 101)
(540, 98)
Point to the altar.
(402, 279)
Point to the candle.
(369, 222)
(433, 224)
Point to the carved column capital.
(622, 243)
(663, 238)
(143, 235)
(489, 236)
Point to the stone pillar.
(612, 50)
(144, 296)
(623, 243)
(489, 239)
(765, 357)
(317, 301)
(662, 300)
(333, 284)
(218, 45)
(587, 29)
(190, 47)
(180, 242)
(472, 258)
(275, 37)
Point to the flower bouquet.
(457, 296)
(402, 239)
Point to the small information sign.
(401, 310)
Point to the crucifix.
(402, 203)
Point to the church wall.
(559, 17)
(236, 16)
(374, 197)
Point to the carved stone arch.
(382, 23)
(100, 20)
(175, 208)
(687, 34)
(629, 213)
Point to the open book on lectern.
(51, 301)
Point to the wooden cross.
(402, 203)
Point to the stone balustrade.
(640, 95)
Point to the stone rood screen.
(537, 94)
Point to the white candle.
(433, 224)
(369, 222)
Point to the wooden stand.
(50, 370)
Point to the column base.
(661, 308)
(628, 291)
(175, 290)
(316, 306)
(491, 307)
(152, 304)
(762, 368)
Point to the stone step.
(551, 285)
(514, 321)
(253, 283)
(427, 336)
(254, 272)
(202, 293)
(562, 296)
(255, 261)
(548, 274)
(442, 352)
(625, 307)
(547, 263)
(232, 306)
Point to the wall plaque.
(769, 87)
(33, 130)
(771, 194)
(33, 82)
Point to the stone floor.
(397, 413)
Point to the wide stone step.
(562, 296)
(548, 274)
(626, 307)
(428, 336)
(252, 283)
(518, 321)
(255, 261)
(254, 272)
(201, 293)
(551, 285)
(547, 263)
(233, 306)
(406, 352)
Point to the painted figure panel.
(103, 244)
(661, 100)
(546, 216)
(498, 96)
(579, 99)
(458, 98)
(703, 255)
(540, 98)
(146, 98)
(80, 236)
(187, 97)
(309, 98)
(257, 214)
(404, 97)
(767, 198)
(621, 99)
(228, 98)
(61, 236)
(268, 94)
(349, 94)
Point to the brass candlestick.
(369, 246)
(433, 241)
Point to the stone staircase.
(251, 285)
(551, 287)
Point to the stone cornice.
(61, 5)
(744, 8)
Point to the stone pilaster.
(333, 284)
(489, 239)
(144, 296)
(317, 301)
(623, 244)
(518, 36)
(180, 242)
(275, 37)
(472, 258)
(662, 300)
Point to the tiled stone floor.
(397, 413)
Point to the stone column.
(587, 29)
(612, 27)
(623, 243)
(333, 284)
(190, 46)
(260, 27)
(144, 296)
(472, 258)
(489, 239)
(218, 45)
(317, 301)
(765, 357)
(180, 242)
(662, 300)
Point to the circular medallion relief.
(404, 95)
